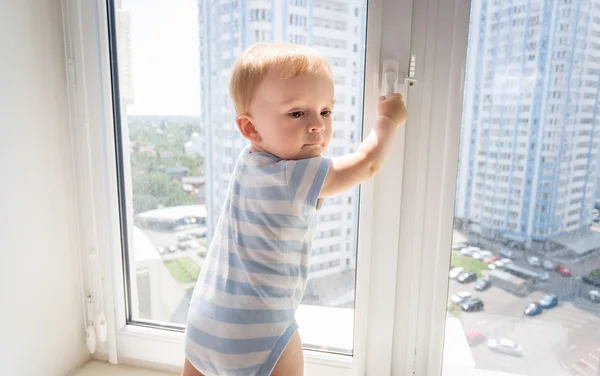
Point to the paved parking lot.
(551, 342)
(564, 340)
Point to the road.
(564, 340)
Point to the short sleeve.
(305, 179)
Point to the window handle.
(395, 81)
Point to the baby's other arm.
(352, 169)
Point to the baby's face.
(293, 116)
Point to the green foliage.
(157, 145)
(469, 264)
(153, 189)
(183, 269)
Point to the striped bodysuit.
(241, 316)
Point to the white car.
(534, 261)
(193, 244)
(595, 296)
(505, 346)
(548, 265)
(455, 272)
(459, 246)
(509, 253)
(460, 297)
(544, 276)
(477, 255)
(486, 254)
(505, 261)
(469, 250)
(496, 264)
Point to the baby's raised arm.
(352, 169)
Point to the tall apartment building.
(530, 129)
(336, 28)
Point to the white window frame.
(91, 102)
(400, 309)
(440, 37)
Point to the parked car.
(182, 246)
(563, 271)
(548, 265)
(594, 296)
(472, 305)
(509, 253)
(193, 244)
(467, 251)
(455, 272)
(489, 260)
(161, 250)
(505, 261)
(183, 237)
(483, 284)
(198, 234)
(459, 246)
(506, 347)
(476, 255)
(513, 244)
(533, 261)
(534, 309)
(486, 254)
(466, 277)
(460, 297)
(475, 338)
(591, 280)
(544, 276)
(172, 248)
(495, 264)
(549, 301)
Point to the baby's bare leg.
(189, 370)
(291, 362)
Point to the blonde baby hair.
(254, 64)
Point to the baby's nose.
(316, 126)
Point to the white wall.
(40, 304)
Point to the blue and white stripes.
(242, 311)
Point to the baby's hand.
(392, 107)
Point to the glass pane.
(525, 270)
(180, 144)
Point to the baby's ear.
(247, 129)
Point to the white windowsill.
(457, 355)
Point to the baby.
(241, 317)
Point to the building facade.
(336, 28)
(530, 128)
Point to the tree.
(151, 191)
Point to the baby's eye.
(297, 114)
(326, 113)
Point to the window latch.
(395, 81)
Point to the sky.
(165, 57)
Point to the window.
(405, 215)
(502, 336)
(171, 146)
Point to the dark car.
(591, 280)
(534, 309)
(549, 301)
(483, 284)
(466, 277)
(472, 305)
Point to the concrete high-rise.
(337, 29)
(530, 131)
